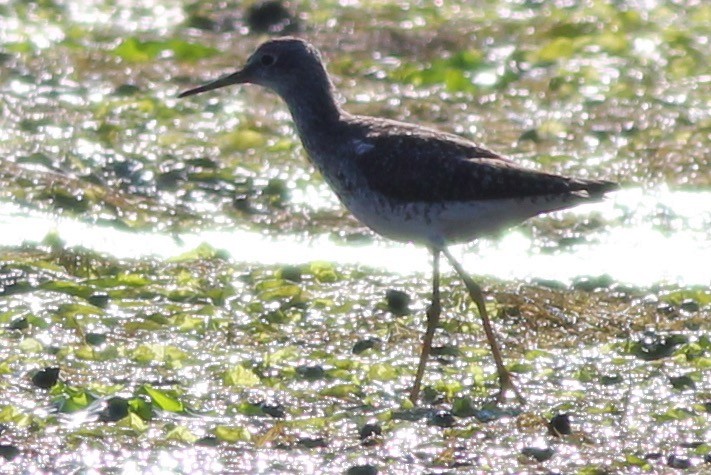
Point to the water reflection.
(657, 237)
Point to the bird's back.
(411, 163)
(413, 183)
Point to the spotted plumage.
(411, 163)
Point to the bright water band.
(636, 253)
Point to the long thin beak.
(235, 78)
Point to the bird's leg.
(505, 380)
(433, 312)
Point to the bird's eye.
(267, 60)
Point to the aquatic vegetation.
(194, 360)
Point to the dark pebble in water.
(622, 291)
(115, 410)
(445, 350)
(560, 425)
(19, 324)
(678, 462)
(707, 458)
(366, 344)
(370, 430)
(431, 396)
(243, 203)
(311, 372)
(270, 17)
(691, 445)
(551, 284)
(272, 409)
(125, 90)
(398, 301)
(588, 284)
(12, 280)
(442, 419)
(653, 456)
(682, 382)
(278, 188)
(690, 305)
(487, 415)
(292, 273)
(127, 169)
(208, 441)
(494, 413)
(541, 454)
(16, 287)
(169, 180)
(530, 135)
(202, 162)
(95, 339)
(312, 442)
(99, 299)
(46, 378)
(665, 308)
(610, 380)
(707, 407)
(355, 237)
(509, 311)
(202, 23)
(570, 241)
(362, 470)
(38, 159)
(652, 346)
(9, 452)
(412, 415)
(464, 407)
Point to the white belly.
(439, 224)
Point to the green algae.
(227, 366)
(245, 377)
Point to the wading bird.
(407, 182)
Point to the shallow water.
(651, 236)
(92, 132)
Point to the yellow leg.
(433, 313)
(505, 379)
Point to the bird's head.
(283, 65)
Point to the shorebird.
(407, 182)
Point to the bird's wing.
(409, 164)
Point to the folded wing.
(406, 164)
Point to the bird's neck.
(316, 113)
